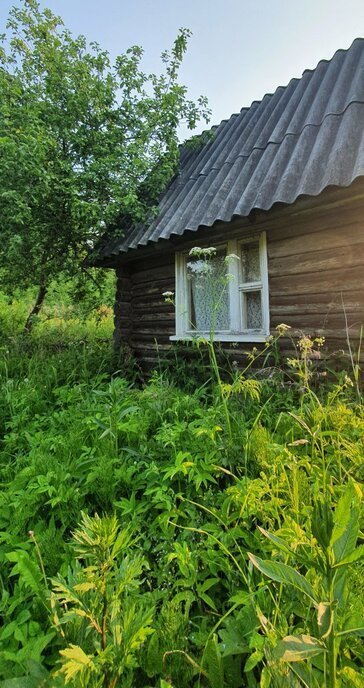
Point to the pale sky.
(240, 49)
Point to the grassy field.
(154, 536)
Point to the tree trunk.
(36, 308)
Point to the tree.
(82, 142)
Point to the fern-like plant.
(100, 610)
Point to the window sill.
(246, 337)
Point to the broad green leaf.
(232, 643)
(24, 616)
(277, 541)
(265, 678)
(240, 598)
(208, 600)
(356, 555)
(208, 583)
(238, 632)
(253, 660)
(322, 523)
(340, 587)
(282, 573)
(202, 592)
(324, 618)
(232, 671)
(7, 630)
(294, 648)
(306, 675)
(346, 525)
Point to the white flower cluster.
(169, 297)
(197, 252)
(231, 257)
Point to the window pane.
(253, 305)
(250, 264)
(209, 293)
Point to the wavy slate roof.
(304, 137)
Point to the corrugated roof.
(304, 137)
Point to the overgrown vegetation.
(154, 536)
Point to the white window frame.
(238, 332)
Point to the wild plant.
(100, 604)
(116, 418)
(325, 616)
(308, 350)
(296, 473)
(26, 633)
(167, 646)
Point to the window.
(224, 292)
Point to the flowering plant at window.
(223, 291)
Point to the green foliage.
(281, 479)
(327, 562)
(101, 603)
(84, 143)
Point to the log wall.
(315, 266)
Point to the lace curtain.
(209, 293)
(253, 310)
(250, 270)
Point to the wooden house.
(280, 187)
